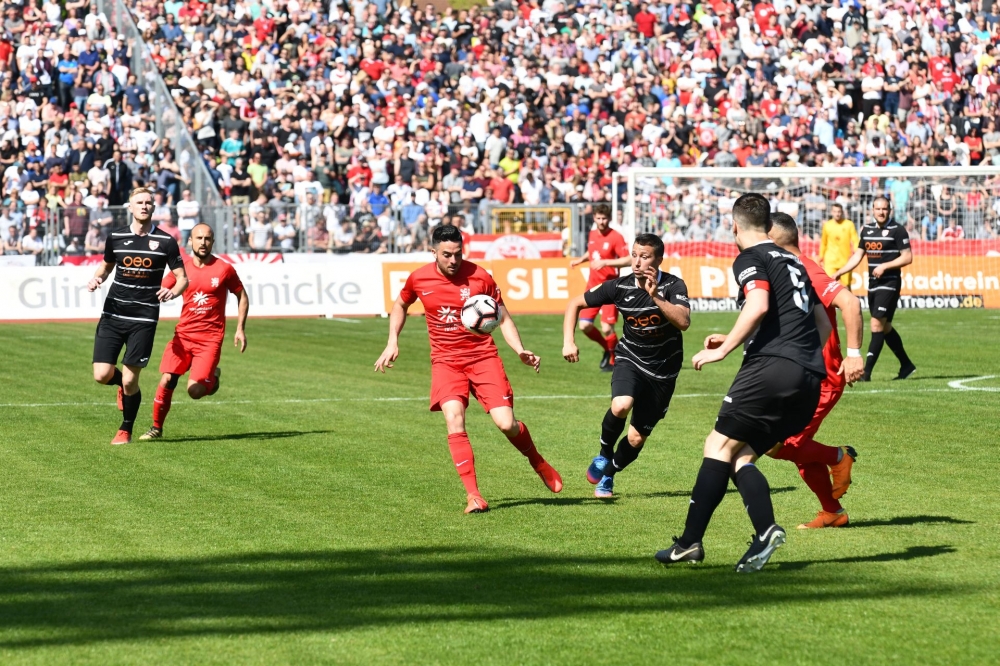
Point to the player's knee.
(103, 375)
(586, 325)
(506, 423)
(169, 381)
(621, 406)
(635, 438)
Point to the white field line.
(293, 401)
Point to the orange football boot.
(550, 477)
(841, 472)
(826, 519)
(477, 504)
(121, 437)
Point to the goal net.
(952, 215)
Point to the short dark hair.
(752, 211)
(786, 227)
(603, 210)
(653, 241)
(445, 233)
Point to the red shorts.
(200, 357)
(828, 398)
(609, 314)
(485, 379)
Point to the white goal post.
(951, 213)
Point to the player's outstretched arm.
(851, 264)
(397, 318)
(620, 262)
(513, 338)
(240, 339)
(578, 261)
(102, 273)
(751, 315)
(853, 366)
(570, 351)
(180, 284)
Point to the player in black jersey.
(775, 392)
(887, 246)
(648, 356)
(138, 254)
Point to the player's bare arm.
(715, 340)
(580, 260)
(570, 351)
(102, 273)
(513, 338)
(851, 264)
(751, 316)
(678, 315)
(853, 366)
(905, 258)
(180, 275)
(397, 318)
(621, 262)
(240, 339)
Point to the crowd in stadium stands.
(356, 126)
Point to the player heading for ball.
(818, 462)
(197, 341)
(138, 254)
(648, 357)
(774, 394)
(887, 247)
(607, 251)
(462, 361)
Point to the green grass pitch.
(310, 513)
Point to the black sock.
(611, 430)
(709, 489)
(130, 408)
(896, 345)
(756, 496)
(874, 349)
(625, 455)
(116, 379)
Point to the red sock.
(817, 477)
(809, 451)
(465, 461)
(611, 342)
(161, 406)
(522, 442)
(596, 336)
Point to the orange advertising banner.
(544, 286)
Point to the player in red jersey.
(607, 251)
(197, 341)
(463, 362)
(817, 462)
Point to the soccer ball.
(481, 314)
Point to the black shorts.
(135, 336)
(651, 396)
(771, 399)
(882, 303)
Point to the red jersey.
(443, 298)
(827, 290)
(610, 245)
(762, 13)
(204, 313)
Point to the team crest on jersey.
(215, 282)
(885, 232)
(154, 244)
(464, 293)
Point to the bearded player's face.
(202, 241)
(448, 256)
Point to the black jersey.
(648, 341)
(881, 245)
(139, 263)
(789, 327)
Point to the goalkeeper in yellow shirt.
(837, 243)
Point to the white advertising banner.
(345, 287)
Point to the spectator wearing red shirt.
(645, 21)
(503, 189)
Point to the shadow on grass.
(276, 434)
(911, 553)
(548, 501)
(687, 493)
(910, 520)
(271, 593)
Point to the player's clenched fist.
(714, 341)
(94, 283)
(571, 353)
(386, 359)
